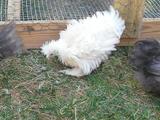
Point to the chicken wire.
(152, 9)
(3, 10)
(39, 11)
(68, 9)
(61, 9)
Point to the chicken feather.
(87, 42)
(10, 42)
(145, 60)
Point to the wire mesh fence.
(61, 9)
(67, 9)
(152, 9)
(3, 9)
(46, 13)
(74, 9)
(51, 9)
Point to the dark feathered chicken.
(10, 43)
(145, 59)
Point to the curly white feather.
(87, 42)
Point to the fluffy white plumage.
(87, 42)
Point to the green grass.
(32, 89)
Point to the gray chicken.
(10, 43)
(145, 59)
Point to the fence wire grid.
(61, 9)
(152, 9)
(68, 9)
(3, 9)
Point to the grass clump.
(32, 89)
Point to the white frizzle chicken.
(87, 42)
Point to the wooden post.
(132, 12)
(14, 9)
(34, 34)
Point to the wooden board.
(35, 33)
(132, 12)
(150, 29)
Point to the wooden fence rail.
(35, 33)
